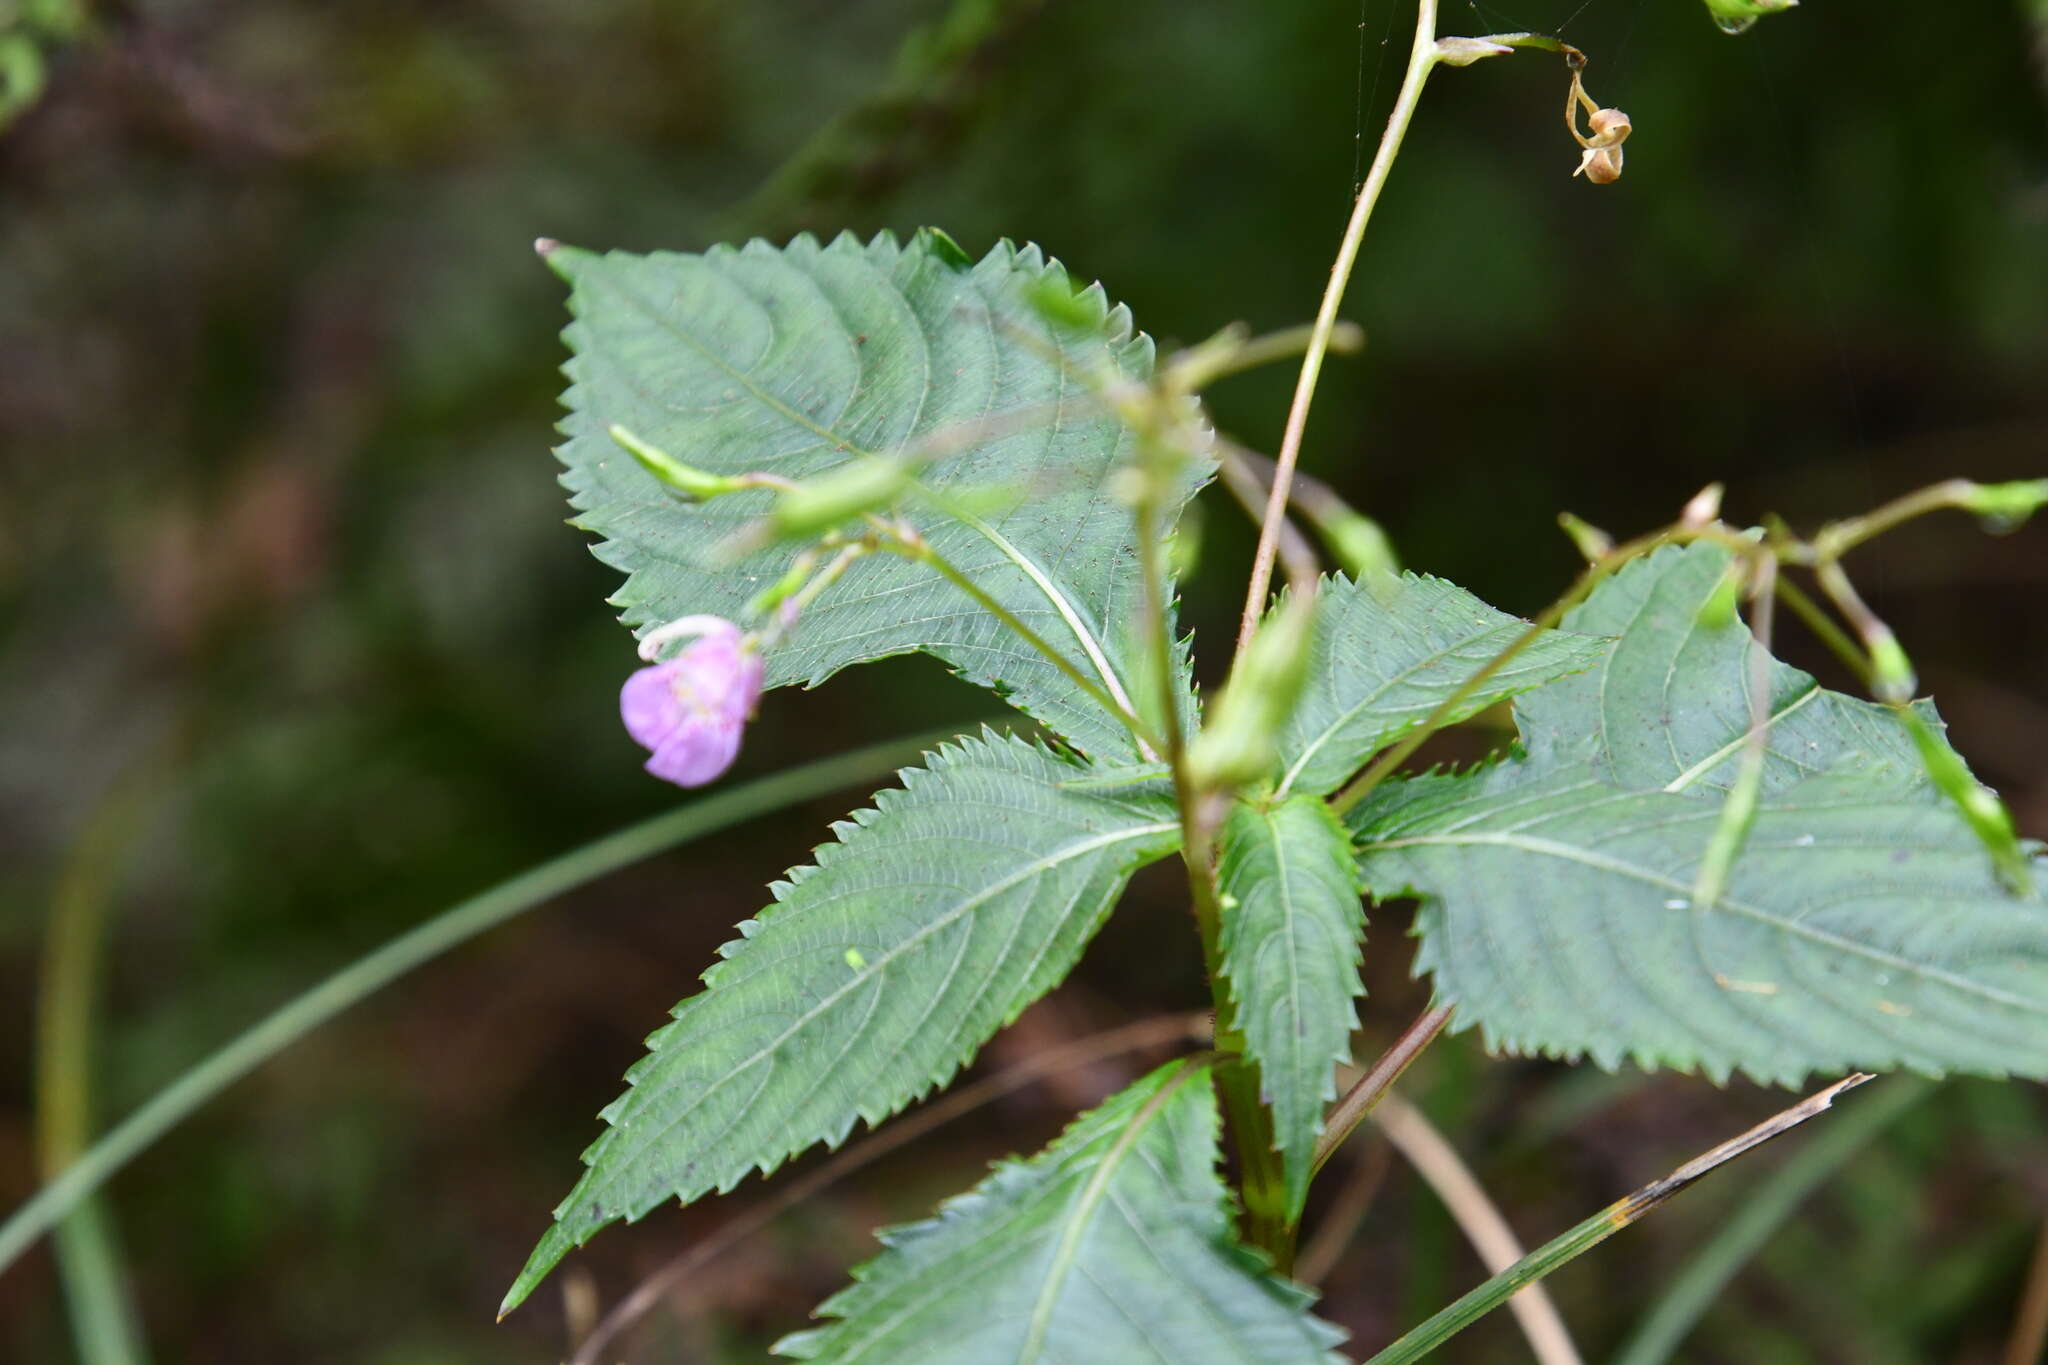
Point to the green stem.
(1739, 807)
(1570, 1245)
(1263, 1181)
(1422, 56)
(1835, 540)
(104, 1320)
(454, 926)
(1824, 628)
(1775, 1200)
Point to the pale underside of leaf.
(1670, 706)
(1112, 1247)
(1859, 928)
(933, 921)
(794, 361)
(1292, 947)
(1388, 651)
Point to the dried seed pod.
(1609, 127)
(1601, 165)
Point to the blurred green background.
(283, 574)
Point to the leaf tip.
(546, 1256)
(939, 244)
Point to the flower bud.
(1593, 543)
(1240, 742)
(817, 505)
(694, 484)
(689, 712)
(1718, 611)
(1736, 16)
(1891, 672)
(1702, 508)
(1359, 543)
(2004, 506)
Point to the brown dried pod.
(1610, 127)
(1601, 165)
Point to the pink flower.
(690, 710)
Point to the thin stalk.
(1824, 628)
(1476, 1215)
(1739, 806)
(1241, 477)
(917, 548)
(1422, 56)
(1262, 1181)
(1353, 539)
(1081, 1052)
(452, 927)
(1837, 539)
(104, 1321)
(1570, 1245)
(1717, 1261)
(1379, 1078)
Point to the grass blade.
(1569, 1246)
(454, 926)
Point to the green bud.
(1736, 16)
(1241, 742)
(1359, 544)
(1891, 672)
(1718, 611)
(818, 505)
(1592, 542)
(2006, 506)
(1979, 806)
(696, 485)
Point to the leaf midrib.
(882, 960)
(1734, 746)
(1621, 867)
(1082, 1212)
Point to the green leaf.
(1669, 706)
(1861, 925)
(1858, 928)
(1291, 953)
(1388, 651)
(1112, 1247)
(801, 360)
(933, 921)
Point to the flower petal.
(649, 706)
